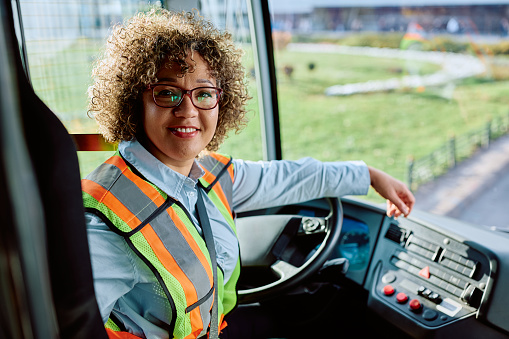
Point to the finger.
(397, 212)
(400, 205)
(392, 210)
(409, 200)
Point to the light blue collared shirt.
(125, 285)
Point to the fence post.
(487, 135)
(410, 171)
(452, 151)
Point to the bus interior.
(392, 79)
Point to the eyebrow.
(200, 81)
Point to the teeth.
(185, 130)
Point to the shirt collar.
(156, 172)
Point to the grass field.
(383, 129)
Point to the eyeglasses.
(171, 96)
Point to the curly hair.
(136, 51)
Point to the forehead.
(198, 68)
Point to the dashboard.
(425, 275)
(432, 276)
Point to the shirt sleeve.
(266, 184)
(113, 267)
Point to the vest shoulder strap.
(217, 167)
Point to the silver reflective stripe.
(105, 175)
(111, 178)
(212, 165)
(138, 203)
(227, 185)
(179, 248)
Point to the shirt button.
(191, 194)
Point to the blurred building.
(448, 16)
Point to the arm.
(274, 183)
(266, 184)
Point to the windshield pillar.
(259, 23)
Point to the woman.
(160, 212)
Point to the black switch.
(472, 296)
(435, 297)
(426, 293)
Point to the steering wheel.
(262, 235)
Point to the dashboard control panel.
(429, 277)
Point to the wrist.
(372, 174)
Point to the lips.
(184, 132)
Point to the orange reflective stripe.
(222, 326)
(220, 157)
(192, 335)
(109, 200)
(195, 313)
(222, 323)
(165, 258)
(117, 161)
(171, 265)
(145, 187)
(220, 193)
(120, 335)
(223, 160)
(209, 177)
(192, 243)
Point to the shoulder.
(215, 158)
(216, 163)
(107, 173)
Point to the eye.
(205, 94)
(167, 94)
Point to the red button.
(401, 297)
(388, 290)
(415, 305)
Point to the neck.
(182, 167)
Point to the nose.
(186, 108)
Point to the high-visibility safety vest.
(160, 231)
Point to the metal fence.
(454, 151)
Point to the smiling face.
(177, 135)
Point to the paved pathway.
(454, 66)
(491, 208)
(476, 190)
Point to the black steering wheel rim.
(310, 267)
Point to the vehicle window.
(63, 38)
(409, 89)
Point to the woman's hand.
(399, 198)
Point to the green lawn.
(383, 129)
